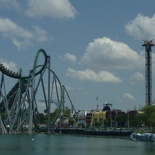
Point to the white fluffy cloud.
(9, 65)
(106, 53)
(142, 27)
(51, 8)
(40, 34)
(69, 57)
(42, 8)
(90, 75)
(128, 96)
(20, 36)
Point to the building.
(81, 118)
(98, 118)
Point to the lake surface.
(72, 145)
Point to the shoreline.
(82, 131)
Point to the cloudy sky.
(95, 46)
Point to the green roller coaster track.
(17, 75)
(34, 72)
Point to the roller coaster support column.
(31, 106)
(49, 99)
(4, 131)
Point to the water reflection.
(75, 145)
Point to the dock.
(82, 131)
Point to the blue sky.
(95, 46)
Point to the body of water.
(41, 144)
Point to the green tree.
(66, 112)
(54, 114)
(149, 115)
(42, 118)
(121, 119)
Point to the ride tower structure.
(148, 71)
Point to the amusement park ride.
(19, 107)
(148, 71)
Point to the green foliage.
(3, 115)
(149, 115)
(42, 118)
(120, 120)
(121, 117)
(67, 112)
(54, 114)
(107, 122)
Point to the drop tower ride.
(148, 71)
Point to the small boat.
(150, 137)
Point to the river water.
(41, 144)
